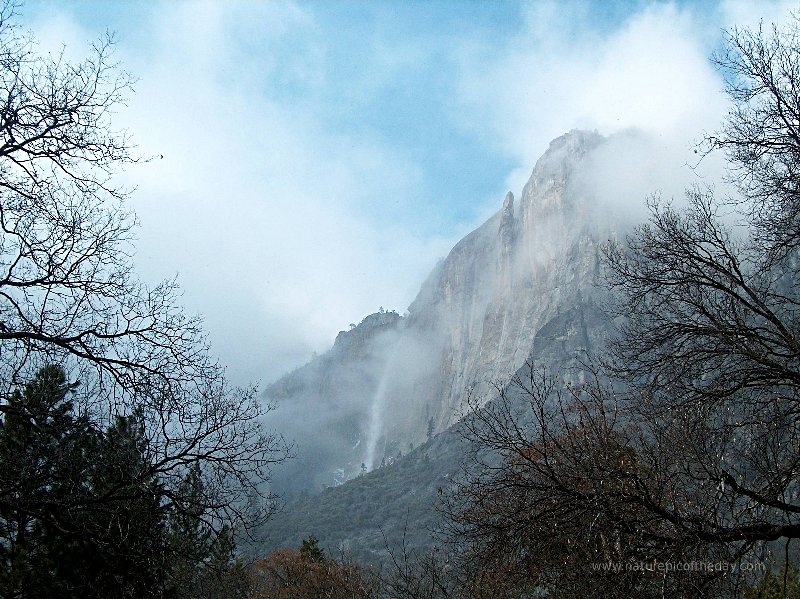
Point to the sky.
(320, 157)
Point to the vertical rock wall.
(522, 285)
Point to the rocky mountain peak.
(369, 325)
(508, 203)
(545, 191)
(563, 154)
(506, 230)
(521, 286)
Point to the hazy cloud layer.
(562, 72)
(285, 225)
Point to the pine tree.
(784, 585)
(43, 453)
(81, 514)
(311, 551)
(190, 539)
(129, 527)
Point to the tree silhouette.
(68, 294)
(681, 447)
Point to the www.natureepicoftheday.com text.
(666, 567)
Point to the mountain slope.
(324, 406)
(522, 285)
(364, 515)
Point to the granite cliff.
(521, 286)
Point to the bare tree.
(689, 454)
(712, 335)
(413, 575)
(290, 574)
(68, 294)
(761, 136)
(573, 497)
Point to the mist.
(294, 189)
(322, 183)
(336, 408)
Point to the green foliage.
(202, 561)
(81, 513)
(784, 585)
(128, 517)
(188, 536)
(311, 551)
(44, 453)
(363, 510)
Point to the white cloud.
(260, 203)
(651, 73)
(256, 202)
(264, 201)
(749, 14)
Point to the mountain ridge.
(521, 285)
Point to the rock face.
(324, 406)
(521, 286)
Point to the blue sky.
(320, 156)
